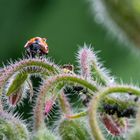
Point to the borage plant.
(82, 104)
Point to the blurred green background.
(67, 24)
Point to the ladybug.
(36, 46)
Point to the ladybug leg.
(28, 53)
(42, 54)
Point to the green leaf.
(19, 79)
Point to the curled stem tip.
(52, 82)
(93, 121)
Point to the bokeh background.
(67, 24)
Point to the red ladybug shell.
(40, 41)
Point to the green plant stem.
(48, 84)
(96, 100)
(122, 104)
(12, 69)
(1, 106)
(77, 115)
(104, 79)
(65, 106)
(138, 117)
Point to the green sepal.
(44, 134)
(73, 130)
(135, 134)
(15, 85)
(12, 129)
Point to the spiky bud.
(43, 134)
(73, 130)
(135, 134)
(91, 68)
(85, 57)
(12, 128)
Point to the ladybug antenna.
(45, 39)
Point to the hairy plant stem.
(104, 79)
(77, 115)
(48, 84)
(138, 117)
(115, 101)
(12, 69)
(65, 106)
(1, 106)
(92, 112)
